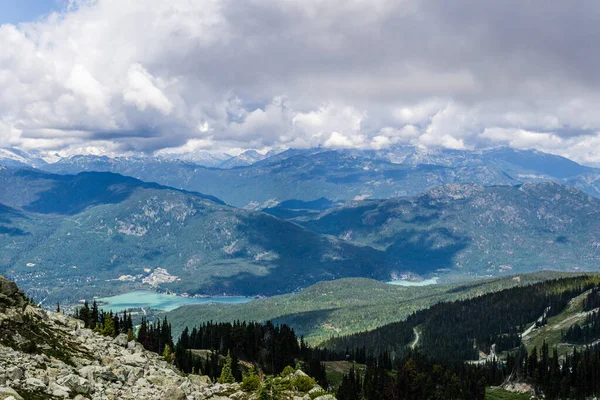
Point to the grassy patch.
(552, 332)
(336, 369)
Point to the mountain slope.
(475, 230)
(46, 355)
(346, 306)
(102, 233)
(463, 330)
(67, 237)
(12, 157)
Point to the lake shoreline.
(160, 301)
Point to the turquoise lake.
(165, 302)
(426, 282)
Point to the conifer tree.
(84, 314)
(94, 315)
(167, 355)
(108, 328)
(226, 373)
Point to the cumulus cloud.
(116, 76)
(142, 91)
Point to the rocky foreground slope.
(46, 355)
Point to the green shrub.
(282, 384)
(287, 371)
(320, 393)
(303, 383)
(251, 382)
(269, 391)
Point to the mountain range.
(15, 157)
(256, 181)
(66, 236)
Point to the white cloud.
(128, 75)
(142, 92)
(338, 140)
(83, 84)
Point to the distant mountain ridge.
(13, 157)
(331, 174)
(260, 181)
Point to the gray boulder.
(121, 340)
(174, 393)
(7, 392)
(75, 383)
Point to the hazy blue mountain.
(530, 164)
(244, 159)
(203, 158)
(318, 204)
(220, 160)
(43, 193)
(64, 236)
(306, 176)
(475, 230)
(278, 157)
(520, 164)
(342, 175)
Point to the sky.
(115, 76)
(17, 11)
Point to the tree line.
(106, 323)
(415, 377)
(270, 347)
(459, 330)
(576, 376)
(209, 348)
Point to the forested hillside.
(460, 330)
(428, 351)
(475, 230)
(63, 237)
(56, 229)
(347, 306)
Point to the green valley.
(347, 306)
